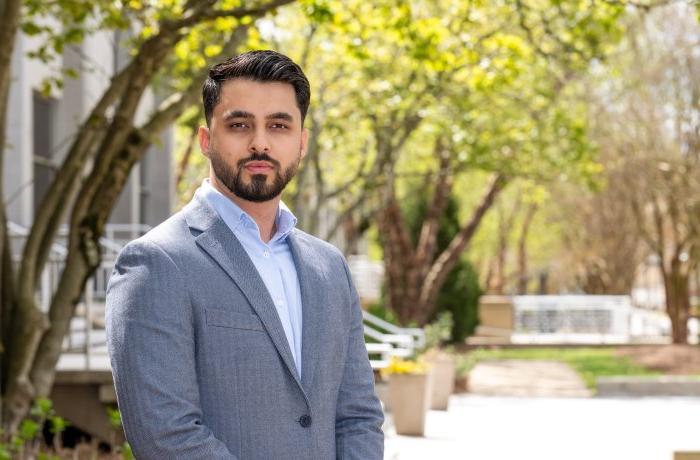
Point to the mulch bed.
(667, 359)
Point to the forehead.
(258, 98)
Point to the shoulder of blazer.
(317, 245)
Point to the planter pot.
(409, 395)
(443, 380)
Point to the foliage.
(439, 331)
(115, 421)
(27, 443)
(115, 417)
(590, 363)
(27, 440)
(460, 297)
(649, 126)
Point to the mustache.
(258, 157)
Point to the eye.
(238, 125)
(279, 126)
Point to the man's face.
(255, 140)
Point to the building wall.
(149, 194)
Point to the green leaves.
(318, 11)
(28, 430)
(115, 418)
(31, 28)
(27, 438)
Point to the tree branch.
(427, 241)
(449, 257)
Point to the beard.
(258, 189)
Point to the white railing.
(589, 319)
(87, 327)
(389, 340)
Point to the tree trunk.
(412, 281)
(676, 284)
(184, 163)
(10, 11)
(505, 225)
(446, 261)
(522, 249)
(398, 261)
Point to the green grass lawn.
(590, 363)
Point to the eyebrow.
(280, 116)
(237, 114)
(248, 115)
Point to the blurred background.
(515, 184)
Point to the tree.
(9, 22)
(172, 39)
(507, 116)
(651, 130)
(600, 232)
(461, 292)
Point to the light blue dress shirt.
(273, 260)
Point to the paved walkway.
(526, 378)
(518, 428)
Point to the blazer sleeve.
(150, 337)
(359, 416)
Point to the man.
(232, 334)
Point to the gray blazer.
(200, 361)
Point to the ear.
(304, 142)
(204, 140)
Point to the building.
(40, 130)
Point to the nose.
(259, 141)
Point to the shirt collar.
(236, 218)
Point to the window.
(44, 111)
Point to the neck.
(264, 214)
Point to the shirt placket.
(279, 297)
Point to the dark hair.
(263, 66)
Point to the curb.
(667, 385)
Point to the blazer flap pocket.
(223, 318)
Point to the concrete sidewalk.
(517, 428)
(526, 378)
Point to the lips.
(259, 167)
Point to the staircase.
(385, 340)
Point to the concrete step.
(485, 341)
(491, 331)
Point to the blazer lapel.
(223, 246)
(311, 284)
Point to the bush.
(461, 291)
(460, 296)
(29, 443)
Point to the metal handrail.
(392, 341)
(94, 286)
(17, 230)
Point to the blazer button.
(305, 421)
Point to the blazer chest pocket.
(223, 318)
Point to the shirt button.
(305, 421)
(266, 253)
